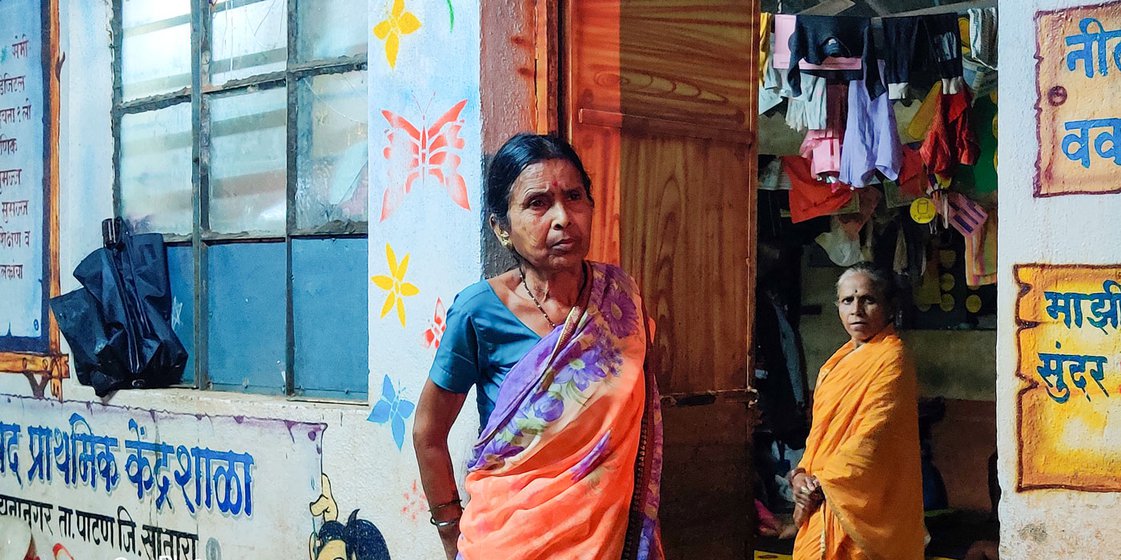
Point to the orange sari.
(864, 449)
(569, 464)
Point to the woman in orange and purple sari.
(568, 461)
(858, 488)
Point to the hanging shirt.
(810, 198)
(837, 66)
(979, 59)
(913, 180)
(982, 36)
(808, 111)
(817, 37)
(871, 139)
(804, 111)
(919, 44)
(822, 148)
(951, 139)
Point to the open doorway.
(663, 102)
(935, 228)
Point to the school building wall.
(1059, 446)
(288, 467)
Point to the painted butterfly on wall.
(423, 152)
(394, 409)
(435, 330)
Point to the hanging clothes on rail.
(770, 80)
(810, 198)
(871, 141)
(822, 148)
(921, 45)
(951, 139)
(816, 38)
(979, 59)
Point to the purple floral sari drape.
(569, 465)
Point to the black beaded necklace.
(583, 281)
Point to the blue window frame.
(240, 131)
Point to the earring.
(505, 240)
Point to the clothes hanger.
(827, 8)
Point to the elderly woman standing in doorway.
(858, 488)
(568, 461)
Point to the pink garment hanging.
(822, 148)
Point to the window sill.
(189, 397)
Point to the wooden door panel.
(678, 61)
(687, 229)
(681, 60)
(707, 501)
(660, 102)
(599, 149)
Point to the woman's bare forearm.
(436, 412)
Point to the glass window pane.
(330, 317)
(332, 182)
(181, 271)
(329, 29)
(155, 47)
(248, 155)
(248, 37)
(155, 169)
(246, 336)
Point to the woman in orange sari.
(568, 461)
(858, 488)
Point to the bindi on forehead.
(856, 285)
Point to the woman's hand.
(449, 536)
(807, 490)
(808, 496)
(436, 412)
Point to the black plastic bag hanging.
(118, 324)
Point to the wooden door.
(659, 98)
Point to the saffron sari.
(569, 464)
(863, 448)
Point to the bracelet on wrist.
(456, 502)
(440, 524)
(445, 523)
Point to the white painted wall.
(1064, 229)
(437, 66)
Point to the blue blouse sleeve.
(456, 367)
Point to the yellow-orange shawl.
(864, 449)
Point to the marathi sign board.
(1068, 343)
(1079, 120)
(117, 482)
(29, 341)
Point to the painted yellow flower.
(395, 284)
(393, 27)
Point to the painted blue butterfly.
(392, 408)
